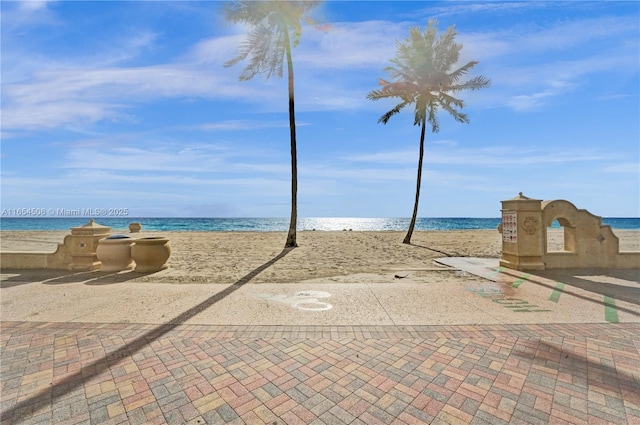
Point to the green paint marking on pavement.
(555, 295)
(494, 273)
(520, 281)
(610, 311)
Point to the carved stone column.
(522, 234)
(83, 243)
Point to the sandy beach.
(335, 256)
(370, 277)
(338, 256)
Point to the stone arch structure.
(567, 215)
(587, 242)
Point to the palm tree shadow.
(431, 249)
(71, 382)
(597, 374)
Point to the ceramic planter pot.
(114, 252)
(135, 227)
(151, 253)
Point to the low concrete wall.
(60, 259)
(571, 260)
(24, 260)
(77, 252)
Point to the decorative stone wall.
(77, 252)
(587, 242)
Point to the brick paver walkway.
(70, 373)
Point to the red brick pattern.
(58, 373)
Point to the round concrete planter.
(114, 252)
(151, 253)
(135, 227)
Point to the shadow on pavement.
(58, 277)
(587, 373)
(616, 291)
(582, 279)
(86, 372)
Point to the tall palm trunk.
(291, 236)
(407, 238)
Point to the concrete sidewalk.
(489, 346)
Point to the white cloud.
(55, 98)
(527, 102)
(34, 4)
(559, 58)
(59, 113)
(26, 13)
(623, 168)
(454, 8)
(333, 69)
(206, 161)
(563, 35)
(122, 48)
(350, 45)
(215, 51)
(234, 125)
(117, 83)
(530, 87)
(486, 157)
(24, 64)
(140, 159)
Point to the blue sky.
(127, 105)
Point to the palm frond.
(476, 83)
(420, 110)
(432, 118)
(396, 109)
(457, 115)
(446, 51)
(262, 46)
(269, 22)
(377, 95)
(446, 98)
(460, 72)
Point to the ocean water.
(275, 224)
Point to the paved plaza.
(298, 360)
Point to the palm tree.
(422, 70)
(276, 28)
